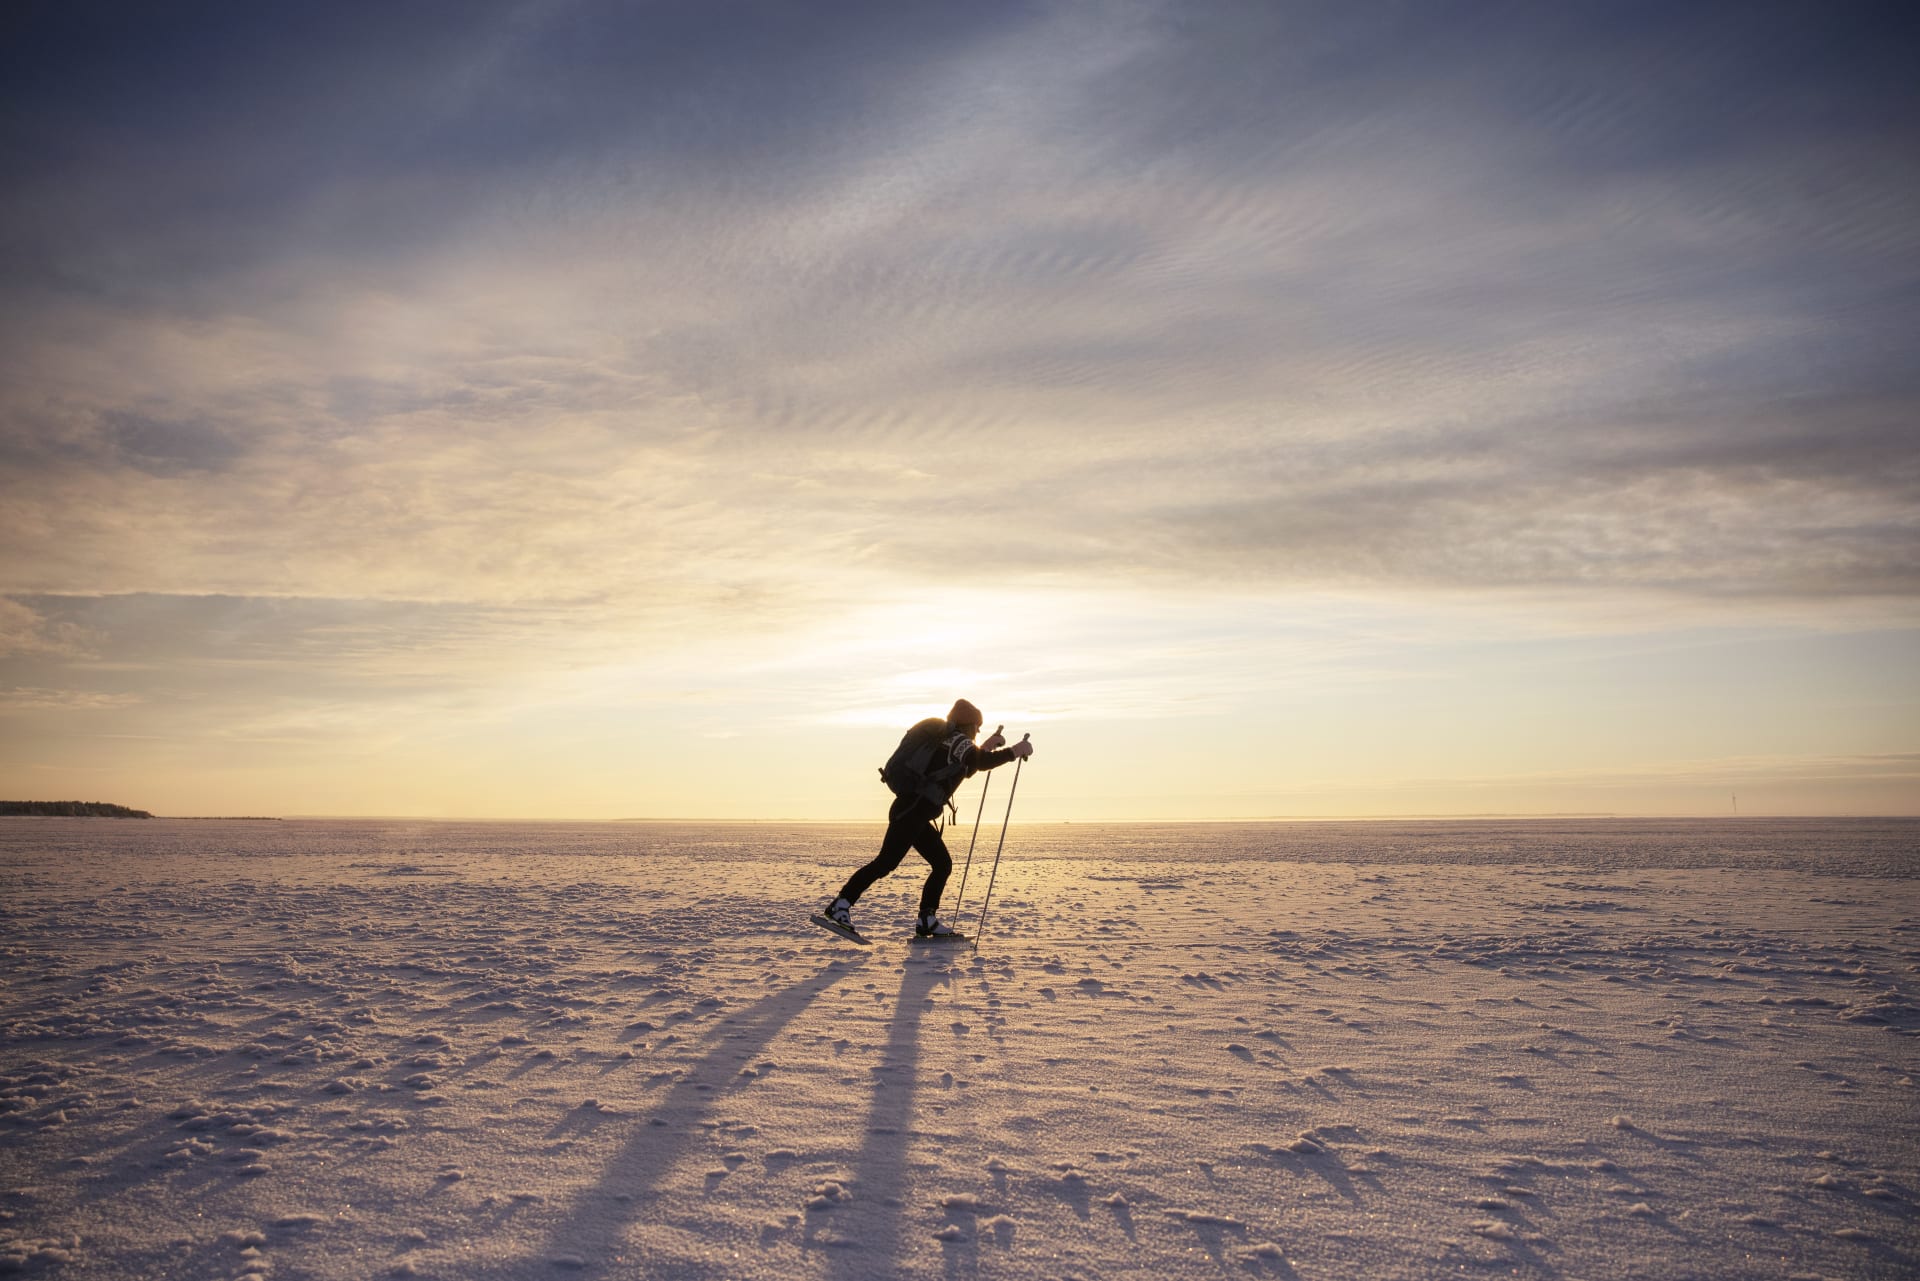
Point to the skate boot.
(838, 917)
(932, 927)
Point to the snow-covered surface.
(1577, 1050)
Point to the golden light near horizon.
(1276, 412)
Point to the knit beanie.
(965, 713)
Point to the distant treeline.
(68, 809)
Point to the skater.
(932, 761)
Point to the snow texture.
(332, 1050)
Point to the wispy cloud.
(26, 632)
(61, 700)
(1144, 292)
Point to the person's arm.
(979, 758)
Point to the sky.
(616, 410)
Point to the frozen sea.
(1570, 1048)
(1861, 846)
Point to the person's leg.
(893, 847)
(939, 866)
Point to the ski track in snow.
(464, 1063)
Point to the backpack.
(917, 767)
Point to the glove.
(1021, 750)
(995, 741)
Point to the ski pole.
(980, 925)
(961, 897)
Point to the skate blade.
(834, 927)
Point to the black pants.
(909, 826)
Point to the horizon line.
(1411, 816)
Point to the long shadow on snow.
(595, 1224)
(881, 1170)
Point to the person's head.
(965, 717)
